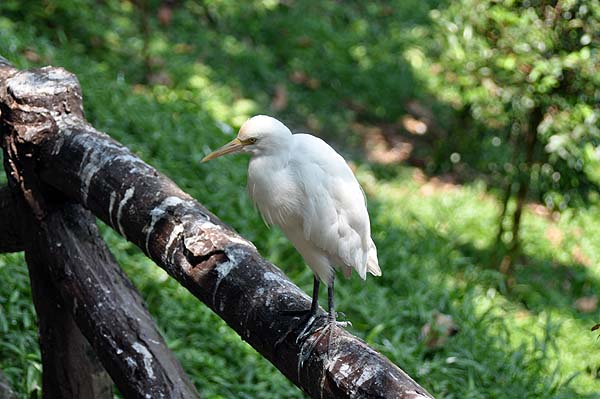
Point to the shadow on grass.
(324, 62)
(539, 283)
(427, 272)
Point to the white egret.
(299, 183)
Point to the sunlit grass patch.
(530, 329)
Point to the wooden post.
(105, 306)
(213, 262)
(79, 288)
(10, 241)
(71, 370)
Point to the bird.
(302, 185)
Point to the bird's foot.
(332, 322)
(309, 320)
(304, 318)
(339, 323)
(326, 330)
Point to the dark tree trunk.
(513, 139)
(507, 194)
(10, 241)
(522, 181)
(213, 262)
(531, 140)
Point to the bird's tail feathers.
(372, 262)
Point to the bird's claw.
(306, 318)
(343, 324)
(308, 330)
(325, 330)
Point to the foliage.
(174, 92)
(499, 60)
(19, 355)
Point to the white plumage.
(299, 183)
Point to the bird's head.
(259, 134)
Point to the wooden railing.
(62, 174)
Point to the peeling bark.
(214, 263)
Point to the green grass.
(435, 244)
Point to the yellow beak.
(234, 145)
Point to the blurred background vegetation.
(473, 127)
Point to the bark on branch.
(71, 369)
(10, 240)
(107, 308)
(43, 109)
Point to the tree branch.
(214, 263)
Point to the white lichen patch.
(283, 283)
(344, 371)
(197, 244)
(68, 123)
(274, 277)
(111, 205)
(238, 240)
(416, 395)
(57, 145)
(146, 357)
(96, 155)
(157, 214)
(234, 256)
(130, 362)
(58, 73)
(99, 152)
(137, 165)
(56, 81)
(176, 232)
(128, 194)
(202, 233)
(368, 372)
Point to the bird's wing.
(335, 217)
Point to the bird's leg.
(330, 292)
(332, 315)
(326, 330)
(331, 306)
(314, 306)
(307, 316)
(314, 309)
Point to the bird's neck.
(275, 155)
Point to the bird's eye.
(252, 140)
